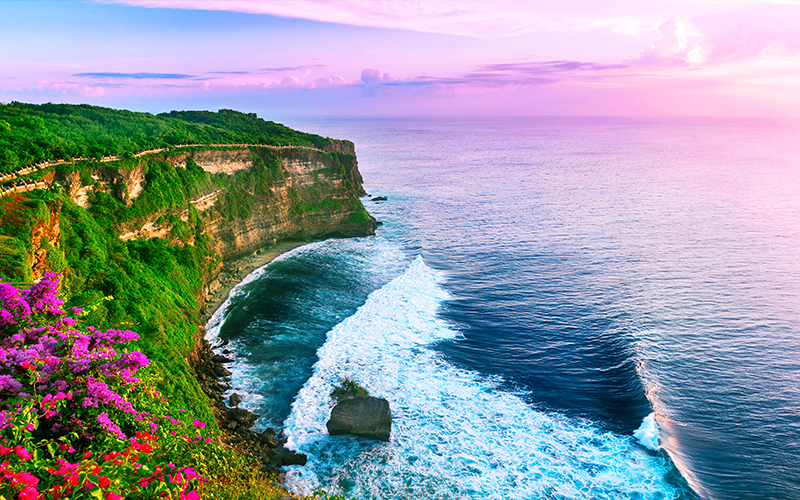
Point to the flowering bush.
(75, 421)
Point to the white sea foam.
(454, 434)
(647, 433)
(374, 256)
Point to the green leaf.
(52, 447)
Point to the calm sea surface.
(538, 289)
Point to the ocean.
(555, 308)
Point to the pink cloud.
(60, 88)
(751, 32)
(371, 76)
(498, 18)
(677, 43)
(331, 81)
(289, 82)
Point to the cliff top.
(33, 133)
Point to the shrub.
(75, 420)
(348, 389)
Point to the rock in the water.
(234, 400)
(242, 417)
(293, 458)
(217, 358)
(365, 417)
(219, 371)
(380, 198)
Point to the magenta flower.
(105, 422)
(22, 453)
(26, 479)
(190, 495)
(29, 494)
(73, 380)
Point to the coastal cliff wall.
(308, 194)
(138, 215)
(317, 198)
(164, 225)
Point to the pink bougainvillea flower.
(25, 478)
(22, 453)
(29, 494)
(190, 495)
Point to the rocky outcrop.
(366, 417)
(45, 242)
(124, 185)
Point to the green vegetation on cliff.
(150, 286)
(31, 133)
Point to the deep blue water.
(538, 288)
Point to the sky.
(386, 58)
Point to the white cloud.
(331, 81)
(372, 77)
(60, 88)
(485, 19)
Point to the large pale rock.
(366, 417)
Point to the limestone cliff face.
(45, 243)
(315, 197)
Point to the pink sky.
(395, 57)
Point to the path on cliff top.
(23, 186)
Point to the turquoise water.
(542, 295)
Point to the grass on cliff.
(32, 133)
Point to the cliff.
(313, 195)
(317, 198)
(139, 237)
(234, 201)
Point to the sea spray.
(275, 321)
(647, 433)
(455, 433)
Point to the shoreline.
(235, 423)
(235, 270)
